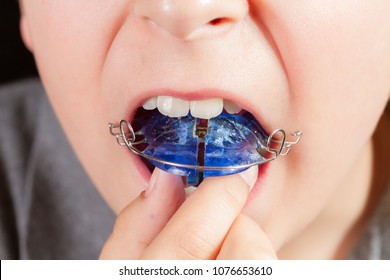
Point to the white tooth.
(173, 107)
(206, 109)
(150, 104)
(231, 107)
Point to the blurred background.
(15, 60)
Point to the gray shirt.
(374, 243)
(49, 209)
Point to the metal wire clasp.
(283, 147)
(122, 137)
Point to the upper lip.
(201, 94)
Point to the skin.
(321, 67)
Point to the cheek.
(338, 61)
(340, 74)
(72, 38)
(338, 68)
(70, 42)
(337, 58)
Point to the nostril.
(220, 21)
(190, 19)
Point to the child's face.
(322, 67)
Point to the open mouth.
(198, 139)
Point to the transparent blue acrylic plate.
(172, 140)
(231, 140)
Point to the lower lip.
(141, 167)
(260, 178)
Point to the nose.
(190, 19)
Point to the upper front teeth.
(176, 107)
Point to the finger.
(197, 229)
(246, 241)
(139, 223)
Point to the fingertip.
(162, 181)
(140, 221)
(231, 190)
(246, 240)
(250, 176)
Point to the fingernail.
(250, 175)
(152, 182)
(160, 180)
